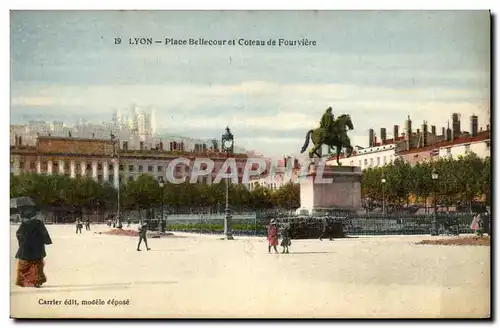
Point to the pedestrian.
(143, 229)
(286, 241)
(87, 224)
(79, 225)
(324, 229)
(32, 236)
(272, 236)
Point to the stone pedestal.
(330, 189)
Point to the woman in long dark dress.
(32, 236)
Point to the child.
(286, 238)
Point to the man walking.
(143, 229)
(79, 226)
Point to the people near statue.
(143, 229)
(79, 225)
(286, 240)
(87, 224)
(32, 236)
(272, 236)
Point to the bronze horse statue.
(336, 137)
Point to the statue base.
(330, 189)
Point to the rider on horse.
(327, 120)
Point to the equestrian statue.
(331, 132)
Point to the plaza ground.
(192, 275)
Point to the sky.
(377, 66)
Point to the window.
(66, 165)
(467, 148)
(99, 166)
(78, 167)
(378, 161)
(130, 178)
(384, 160)
(139, 168)
(111, 178)
(89, 167)
(366, 162)
(120, 178)
(371, 161)
(32, 165)
(121, 167)
(99, 178)
(54, 164)
(131, 168)
(150, 168)
(160, 168)
(110, 167)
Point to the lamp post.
(228, 148)
(435, 177)
(383, 195)
(161, 184)
(116, 154)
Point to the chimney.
(408, 126)
(433, 129)
(473, 125)
(141, 145)
(424, 134)
(449, 135)
(93, 135)
(418, 132)
(125, 145)
(396, 132)
(383, 135)
(443, 131)
(20, 140)
(371, 137)
(161, 145)
(455, 118)
(16, 140)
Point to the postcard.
(250, 164)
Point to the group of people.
(273, 237)
(80, 223)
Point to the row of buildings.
(135, 128)
(421, 145)
(105, 160)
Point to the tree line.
(460, 182)
(85, 194)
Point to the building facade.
(103, 161)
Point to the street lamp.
(228, 148)
(161, 184)
(435, 177)
(383, 195)
(116, 154)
